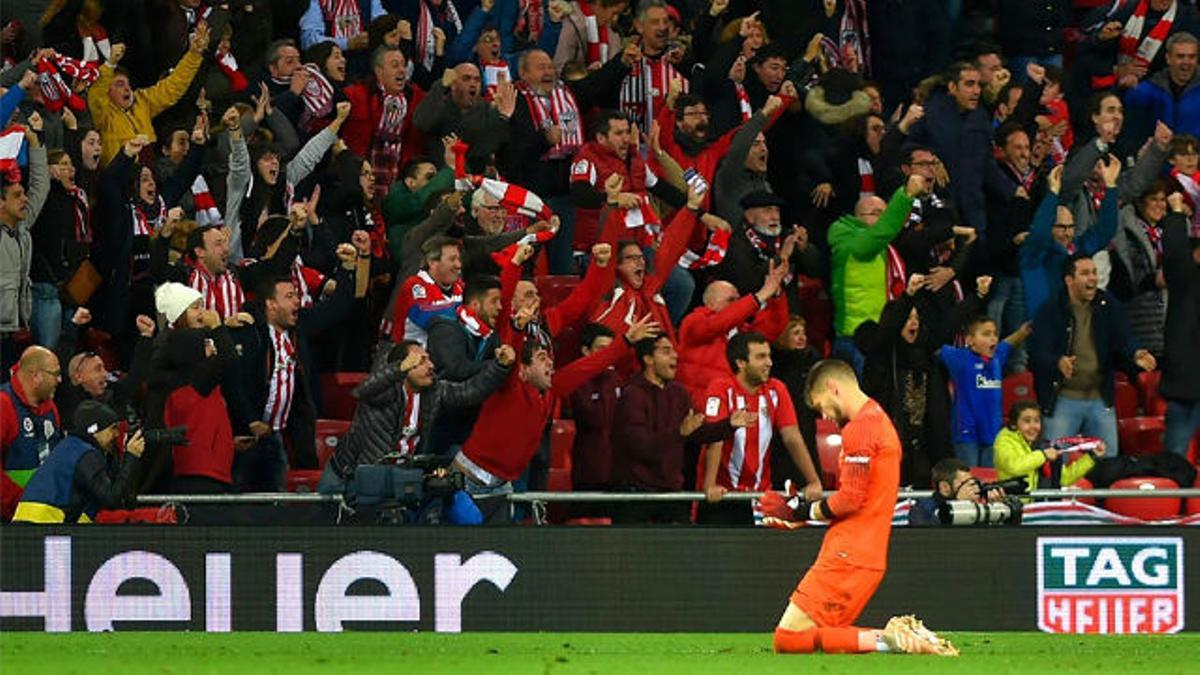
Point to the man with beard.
(83, 475)
(455, 106)
(120, 113)
(31, 423)
(742, 462)
(858, 243)
(380, 126)
(547, 130)
(275, 389)
(759, 239)
(1080, 336)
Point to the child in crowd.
(1016, 456)
(1056, 115)
(1185, 170)
(977, 373)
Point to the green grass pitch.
(640, 653)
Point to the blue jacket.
(963, 141)
(1053, 337)
(978, 414)
(1042, 257)
(1152, 101)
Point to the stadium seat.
(1125, 400)
(329, 434)
(156, 515)
(553, 289)
(1084, 484)
(1017, 387)
(303, 480)
(1152, 403)
(817, 312)
(1192, 506)
(562, 442)
(337, 394)
(591, 522)
(1146, 508)
(1140, 435)
(985, 474)
(829, 446)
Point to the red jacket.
(625, 304)
(513, 420)
(704, 334)
(209, 451)
(593, 165)
(366, 107)
(10, 492)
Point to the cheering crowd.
(652, 218)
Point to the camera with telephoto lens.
(1012, 486)
(963, 512)
(168, 436)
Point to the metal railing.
(577, 497)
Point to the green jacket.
(1015, 459)
(404, 209)
(860, 266)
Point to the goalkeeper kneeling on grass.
(853, 557)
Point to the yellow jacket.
(117, 126)
(1014, 458)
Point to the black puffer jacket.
(378, 421)
(1181, 360)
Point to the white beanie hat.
(172, 300)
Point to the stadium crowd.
(650, 218)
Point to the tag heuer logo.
(1110, 584)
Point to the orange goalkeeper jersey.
(868, 478)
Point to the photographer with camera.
(83, 474)
(397, 405)
(961, 499)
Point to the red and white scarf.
(207, 212)
(506, 254)
(426, 43)
(342, 17)
(96, 46)
(222, 293)
(494, 72)
(281, 386)
(472, 323)
(83, 215)
(229, 68)
(897, 273)
(646, 87)
(514, 198)
(1191, 194)
(195, 15)
(10, 146)
(743, 99)
(300, 278)
(866, 178)
(714, 252)
(55, 91)
(855, 34)
(558, 109)
(529, 20)
(410, 433)
(145, 224)
(596, 36)
(1132, 47)
(317, 96)
(391, 120)
(643, 216)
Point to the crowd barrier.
(1096, 579)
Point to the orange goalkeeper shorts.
(834, 593)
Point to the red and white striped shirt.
(644, 90)
(746, 456)
(281, 387)
(410, 433)
(222, 293)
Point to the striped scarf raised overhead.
(714, 252)
(426, 43)
(514, 198)
(595, 35)
(560, 109)
(317, 97)
(343, 17)
(207, 212)
(529, 20)
(1132, 46)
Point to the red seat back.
(817, 312)
(1146, 508)
(1192, 505)
(337, 394)
(1141, 435)
(329, 434)
(562, 443)
(303, 480)
(829, 447)
(1152, 402)
(985, 474)
(1017, 387)
(1084, 484)
(1125, 400)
